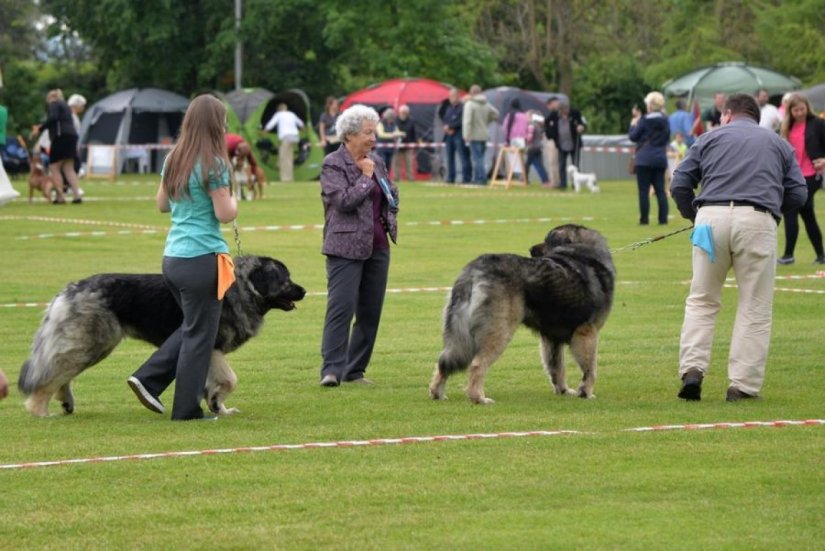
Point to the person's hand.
(819, 164)
(367, 166)
(636, 112)
(4, 385)
(580, 129)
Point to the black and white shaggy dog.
(87, 320)
(564, 293)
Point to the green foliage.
(606, 89)
(757, 488)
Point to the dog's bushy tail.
(38, 369)
(459, 344)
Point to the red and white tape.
(394, 441)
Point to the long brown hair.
(201, 139)
(787, 120)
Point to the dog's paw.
(565, 391)
(482, 401)
(228, 411)
(583, 394)
(436, 395)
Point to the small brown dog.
(247, 180)
(39, 180)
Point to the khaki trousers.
(745, 240)
(285, 160)
(551, 160)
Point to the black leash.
(637, 244)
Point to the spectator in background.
(565, 127)
(681, 121)
(713, 114)
(237, 146)
(388, 136)
(478, 114)
(4, 119)
(651, 134)
(768, 114)
(515, 125)
(550, 145)
(288, 125)
(806, 133)
(63, 149)
(451, 113)
(405, 154)
(326, 126)
(535, 147)
(77, 104)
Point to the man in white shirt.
(768, 114)
(288, 125)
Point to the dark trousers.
(354, 288)
(453, 144)
(808, 215)
(186, 354)
(563, 156)
(647, 176)
(534, 160)
(386, 154)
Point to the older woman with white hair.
(651, 134)
(360, 204)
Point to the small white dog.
(578, 179)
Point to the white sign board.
(101, 161)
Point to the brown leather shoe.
(691, 386)
(734, 395)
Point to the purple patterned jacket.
(345, 191)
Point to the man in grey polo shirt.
(749, 176)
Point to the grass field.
(601, 488)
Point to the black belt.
(754, 206)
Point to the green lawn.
(603, 488)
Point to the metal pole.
(238, 46)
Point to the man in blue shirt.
(749, 176)
(451, 114)
(681, 121)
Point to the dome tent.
(729, 77)
(422, 95)
(309, 156)
(134, 116)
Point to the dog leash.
(237, 236)
(649, 240)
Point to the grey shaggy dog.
(564, 293)
(89, 318)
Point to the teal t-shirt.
(195, 228)
(4, 118)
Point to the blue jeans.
(477, 149)
(647, 176)
(534, 159)
(455, 143)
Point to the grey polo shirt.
(742, 162)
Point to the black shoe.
(785, 260)
(76, 201)
(820, 260)
(149, 402)
(691, 386)
(734, 395)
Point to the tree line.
(604, 54)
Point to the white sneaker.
(149, 402)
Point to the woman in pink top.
(806, 133)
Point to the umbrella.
(245, 101)
(815, 95)
(729, 78)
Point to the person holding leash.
(360, 204)
(196, 187)
(749, 178)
